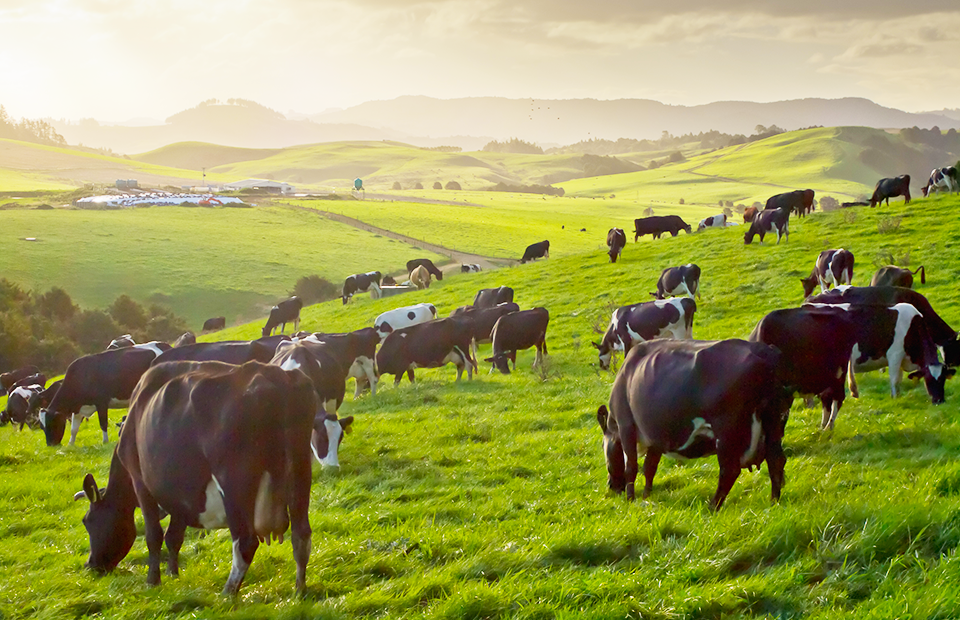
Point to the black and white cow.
(426, 345)
(287, 311)
(482, 320)
(518, 331)
(689, 399)
(832, 267)
(398, 318)
(355, 351)
(535, 251)
(427, 264)
(768, 221)
(96, 383)
(43, 400)
(630, 325)
(470, 268)
(7, 379)
(121, 342)
(18, 407)
(714, 221)
(941, 180)
(227, 351)
(656, 225)
(361, 283)
(815, 347)
(490, 297)
(891, 275)
(683, 280)
(214, 324)
(616, 240)
(214, 446)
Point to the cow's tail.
(923, 274)
(467, 357)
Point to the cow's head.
(606, 347)
(328, 432)
(500, 361)
(809, 283)
(54, 425)
(111, 527)
(612, 451)
(935, 378)
(748, 236)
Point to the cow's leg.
(513, 359)
(75, 421)
(396, 379)
(296, 324)
(371, 376)
(244, 549)
(174, 541)
(153, 531)
(410, 375)
(298, 506)
(776, 460)
(729, 458)
(650, 463)
(851, 374)
(239, 502)
(825, 417)
(628, 441)
(895, 370)
(102, 418)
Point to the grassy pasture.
(486, 499)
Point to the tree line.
(28, 130)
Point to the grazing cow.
(96, 383)
(17, 410)
(815, 347)
(398, 318)
(799, 201)
(482, 320)
(426, 345)
(943, 335)
(689, 399)
(42, 401)
(287, 311)
(535, 251)
(714, 221)
(886, 337)
(683, 280)
(941, 179)
(748, 214)
(361, 283)
(630, 325)
(214, 324)
(890, 188)
(769, 221)
(420, 277)
(656, 225)
(7, 379)
(228, 351)
(121, 342)
(427, 264)
(616, 239)
(891, 275)
(832, 267)
(490, 297)
(470, 268)
(355, 351)
(518, 331)
(185, 339)
(214, 446)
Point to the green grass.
(486, 499)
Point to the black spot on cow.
(411, 315)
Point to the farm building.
(273, 187)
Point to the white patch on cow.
(25, 392)
(896, 353)
(755, 428)
(290, 364)
(936, 370)
(237, 571)
(662, 303)
(334, 432)
(150, 346)
(635, 338)
(701, 428)
(214, 515)
(844, 307)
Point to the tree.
(419, 185)
(128, 313)
(829, 203)
(452, 185)
(312, 289)
(437, 185)
(396, 185)
(56, 304)
(93, 330)
(681, 201)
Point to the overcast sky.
(119, 59)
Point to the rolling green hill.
(199, 155)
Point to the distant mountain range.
(472, 122)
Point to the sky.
(115, 60)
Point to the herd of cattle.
(221, 434)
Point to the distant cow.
(470, 268)
(185, 339)
(427, 264)
(7, 379)
(683, 280)
(749, 213)
(890, 188)
(287, 311)
(121, 342)
(482, 320)
(832, 267)
(214, 324)
(656, 225)
(891, 275)
(689, 399)
(535, 251)
(490, 297)
(426, 345)
(714, 221)
(229, 352)
(773, 220)
(43, 400)
(392, 320)
(941, 179)
(630, 325)
(420, 277)
(799, 201)
(518, 331)
(214, 446)
(616, 239)
(361, 283)
(356, 351)
(17, 410)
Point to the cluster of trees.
(549, 190)
(513, 145)
(28, 130)
(949, 141)
(672, 158)
(50, 331)
(712, 139)
(313, 289)
(442, 149)
(240, 103)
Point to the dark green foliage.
(418, 185)
(513, 145)
(314, 289)
(528, 189)
(28, 130)
(396, 185)
(452, 185)
(128, 313)
(437, 185)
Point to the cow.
(227, 351)
(832, 267)
(891, 275)
(656, 225)
(941, 179)
(356, 351)
(18, 407)
(426, 345)
(630, 325)
(943, 335)
(616, 239)
(427, 264)
(890, 188)
(121, 342)
(714, 221)
(185, 339)
(361, 283)
(214, 324)
(42, 401)
(490, 297)
(470, 268)
(287, 311)
(535, 251)
(518, 331)
(7, 379)
(420, 277)
(888, 336)
(815, 347)
(398, 318)
(214, 446)
(482, 320)
(683, 280)
(748, 214)
(799, 201)
(96, 383)
(769, 221)
(689, 399)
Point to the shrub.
(829, 203)
(889, 224)
(312, 289)
(648, 212)
(418, 185)
(452, 185)
(681, 201)
(396, 185)
(437, 185)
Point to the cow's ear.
(595, 345)
(90, 489)
(489, 359)
(602, 417)
(949, 372)
(347, 424)
(916, 374)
